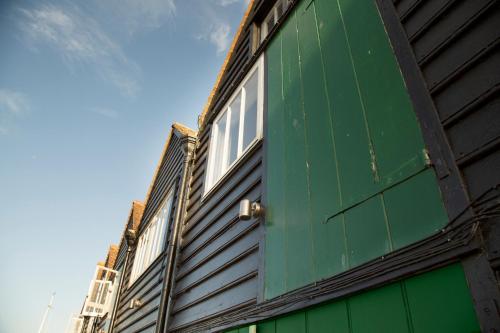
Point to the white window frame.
(152, 240)
(101, 292)
(264, 30)
(210, 182)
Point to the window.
(273, 17)
(102, 290)
(152, 240)
(237, 127)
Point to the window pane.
(270, 22)
(234, 128)
(279, 10)
(219, 149)
(250, 122)
(164, 218)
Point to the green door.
(347, 178)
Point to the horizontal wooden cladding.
(457, 46)
(218, 262)
(212, 307)
(247, 173)
(148, 291)
(148, 285)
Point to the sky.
(88, 92)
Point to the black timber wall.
(148, 286)
(456, 46)
(218, 262)
(219, 255)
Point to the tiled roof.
(112, 255)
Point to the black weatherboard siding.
(450, 56)
(149, 285)
(218, 262)
(456, 47)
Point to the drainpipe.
(166, 299)
(130, 237)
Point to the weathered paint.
(347, 179)
(437, 301)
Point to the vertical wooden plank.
(346, 108)
(440, 301)
(267, 327)
(299, 267)
(243, 329)
(379, 310)
(393, 126)
(295, 323)
(328, 249)
(414, 209)
(328, 318)
(366, 232)
(275, 259)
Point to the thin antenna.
(46, 314)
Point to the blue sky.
(88, 91)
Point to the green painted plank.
(331, 248)
(393, 126)
(440, 301)
(328, 239)
(379, 311)
(437, 301)
(295, 323)
(366, 232)
(299, 266)
(414, 209)
(329, 318)
(267, 327)
(244, 329)
(275, 263)
(349, 126)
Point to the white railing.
(102, 290)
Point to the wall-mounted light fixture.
(250, 210)
(135, 303)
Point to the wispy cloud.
(214, 24)
(12, 104)
(140, 15)
(80, 40)
(225, 3)
(219, 36)
(106, 112)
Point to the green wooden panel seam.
(407, 307)
(380, 191)
(328, 102)
(309, 222)
(370, 143)
(386, 219)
